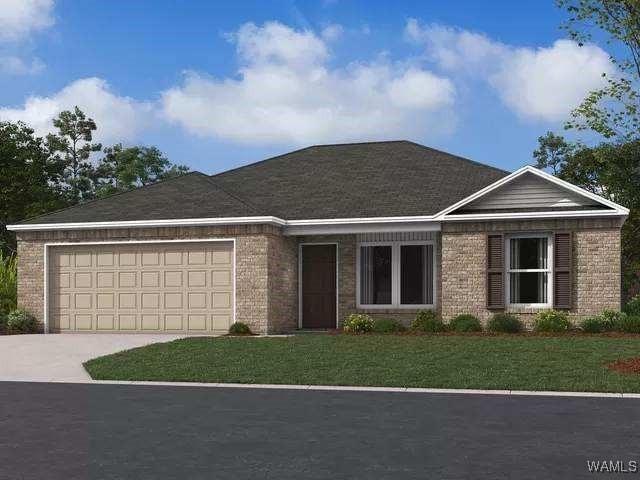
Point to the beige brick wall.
(261, 266)
(596, 265)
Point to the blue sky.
(219, 84)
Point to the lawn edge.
(346, 388)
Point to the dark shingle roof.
(194, 195)
(377, 179)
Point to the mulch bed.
(626, 365)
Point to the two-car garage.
(179, 286)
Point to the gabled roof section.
(531, 190)
(194, 195)
(358, 180)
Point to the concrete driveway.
(59, 357)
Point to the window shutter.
(495, 271)
(562, 262)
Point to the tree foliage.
(39, 176)
(73, 146)
(123, 169)
(614, 110)
(30, 183)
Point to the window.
(396, 275)
(528, 270)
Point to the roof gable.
(530, 189)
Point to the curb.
(339, 388)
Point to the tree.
(123, 169)
(611, 170)
(73, 146)
(614, 110)
(552, 151)
(29, 183)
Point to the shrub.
(20, 320)
(358, 323)
(551, 321)
(427, 321)
(633, 306)
(239, 328)
(611, 318)
(594, 325)
(387, 325)
(628, 324)
(3, 322)
(8, 283)
(505, 323)
(465, 323)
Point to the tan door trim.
(130, 242)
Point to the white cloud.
(13, 65)
(286, 93)
(118, 118)
(537, 83)
(18, 18)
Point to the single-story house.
(304, 239)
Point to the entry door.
(319, 286)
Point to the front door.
(318, 278)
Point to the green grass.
(569, 363)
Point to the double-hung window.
(529, 267)
(396, 275)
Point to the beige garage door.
(145, 287)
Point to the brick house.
(304, 239)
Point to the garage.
(141, 287)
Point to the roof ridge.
(259, 162)
(457, 156)
(233, 195)
(94, 200)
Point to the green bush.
(628, 324)
(239, 328)
(505, 323)
(594, 325)
(387, 325)
(611, 318)
(20, 320)
(3, 322)
(8, 283)
(358, 323)
(465, 323)
(633, 306)
(427, 321)
(551, 321)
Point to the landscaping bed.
(513, 362)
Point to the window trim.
(548, 270)
(396, 275)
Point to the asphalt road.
(69, 431)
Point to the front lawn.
(569, 363)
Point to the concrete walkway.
(59, 358)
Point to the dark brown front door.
(319, 286)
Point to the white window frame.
(548, 270)
(395, 275)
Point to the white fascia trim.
(534, 215)
(619, 209)
(338, 229)
(359, 220)
(148, 223)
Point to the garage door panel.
(147, 287)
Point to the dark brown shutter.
(495, 270)
(562, 261)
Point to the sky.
(218, 84)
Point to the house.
(303, 239)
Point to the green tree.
(123, 169)
(73, 146)
(614, 110)
(29, 183)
